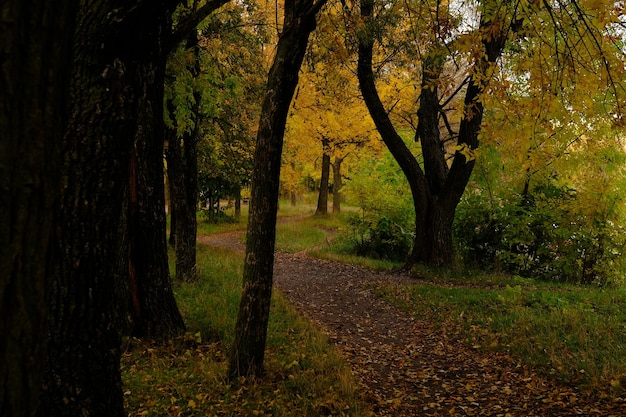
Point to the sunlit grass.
(306, 376)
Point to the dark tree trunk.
(155, 313)
(87, 298)
(116, 89)
(322, 199)
(437, 190)
(183, 174)
(248, 349)
(238, 202)
(172, 212)
(35, 45)
(337, 185)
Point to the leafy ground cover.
(186, 377)
(575, 334)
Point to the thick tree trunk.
(87, 303)
(251, 329)
(322, 199)
(115, 78)
(35, 45)
(337, 185)
(155, 313)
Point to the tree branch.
(191, 22)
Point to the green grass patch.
(306, 376)
(576, 334)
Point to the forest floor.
(405, 367)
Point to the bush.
(384, 227)
(540, 236)
(379, 236)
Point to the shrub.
(384, 226)
(540, 236)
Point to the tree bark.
(116, 91)
(322, 199)
(35, 46)
(337, 185)
(248, 349)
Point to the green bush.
(540, 236)
(384, 226)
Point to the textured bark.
(322, 199)
(437, 190)
(337, 185)
(248, 349)
(35, 45)
(115, 48)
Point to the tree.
(35, 45)
(114, 83)
(182, 162)
(154, 309)
(439, 177)
(251, 329)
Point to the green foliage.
(306, 376)
(384, 227)
(573, 333)
(541, 235)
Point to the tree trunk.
(322, 200)
(183, 171)
(35, 45)
(437, 190)
(251, 329)
(238, 202)
(172, 238)
(155, 313)
(337, 185)
(87, 294)
(116, 92)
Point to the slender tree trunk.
(183, 171)
(337, 185)
(172, 212)
(238, 202)
(35, 45)
(248, 349)
(322, 199)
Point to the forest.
(312, 207)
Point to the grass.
(575, 334)
(306, 376)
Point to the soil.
(403, 366)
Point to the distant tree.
(35, 45)
(247, 354)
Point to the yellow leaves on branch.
(469, 153)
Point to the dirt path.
(404, 368)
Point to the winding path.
(403, 366)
